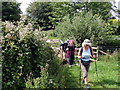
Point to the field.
(107, 71)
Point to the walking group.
(84, 54)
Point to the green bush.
(111, 42)
(83, 25)
(28, 60)
(49, 34)
(52, 76)
(23, 54)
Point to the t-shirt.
(86, 54)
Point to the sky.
(25, 3)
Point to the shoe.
(77, 64)
(70, 66)
(87, 87)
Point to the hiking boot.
(87, 87)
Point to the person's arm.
(79, 52)
(93, 55)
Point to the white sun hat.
(87, 42)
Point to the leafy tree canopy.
(39, 12)
(10, 11)
(49, 14)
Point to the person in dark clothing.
(63, 47)
(70, 51)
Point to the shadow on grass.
(106, 82)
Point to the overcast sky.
(25, 4)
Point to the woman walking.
(84, 54)
(70, 52)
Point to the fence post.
(97, 52)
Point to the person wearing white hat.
(84, 54)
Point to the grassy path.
(107, 75)
(75, 77)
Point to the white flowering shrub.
(24, 54)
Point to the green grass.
(107, 75)
(107, 71)
(50, 37)
(75, 77)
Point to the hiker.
(70, 52)
(63, 47)
(84, 54)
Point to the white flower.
(8, 35)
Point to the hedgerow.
(27, 58)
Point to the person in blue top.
(84, 54)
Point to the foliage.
(83, 25)
(61, 9)
(23, 54)
(39, 12)
(29, 61)
(114, 23)
(49, 14)
(101, 8)
(10, 11)
(53, 76)
(117, 32)
(20, 54)
(118, 29)
(111, 42)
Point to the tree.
(40, 12)
(114, 24)
(61, 9)
(101, 8)
(10, 11)
(83, 25)
(49, 14)
(118, 22)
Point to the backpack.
(64, 46)
(82, 50)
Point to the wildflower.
(8, 36)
